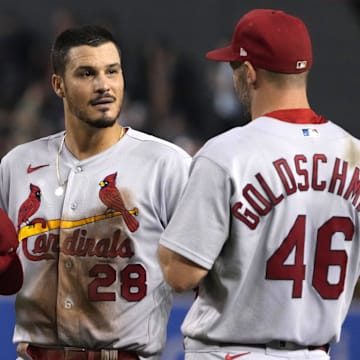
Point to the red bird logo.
(111, 197)
(30, 205)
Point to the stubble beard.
(245, 108)
(102, 122)
(244, 99)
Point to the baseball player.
(268, 225)
(11, 274)
(90, 204)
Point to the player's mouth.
(103, 101)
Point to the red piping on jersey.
(297, 116)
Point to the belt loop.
(109, 354)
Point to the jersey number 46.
(325, 256)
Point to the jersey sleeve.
(200, 224)
(174, 179)
(4, 183)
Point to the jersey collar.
(297, 116)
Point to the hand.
(22, 352)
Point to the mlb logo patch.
(300, 65)
(310, 132)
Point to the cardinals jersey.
(271, 209)
(89, 252)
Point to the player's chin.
(103, 119)
(103, 122)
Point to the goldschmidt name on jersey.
(301, 175)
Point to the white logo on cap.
(301, 64)
(243, 52)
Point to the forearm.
(180, 273)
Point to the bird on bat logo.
(30, 205)
(110, 195)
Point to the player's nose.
(102, 83)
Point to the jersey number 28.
(276, 269)
(132, 278)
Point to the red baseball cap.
(11, 272)
(271, 40)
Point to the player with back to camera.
(268, 225)
(90, 204)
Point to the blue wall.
(347, 349)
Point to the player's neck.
(84, 144)
(266, 102)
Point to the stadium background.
(171, 90)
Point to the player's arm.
(180, 273)
(198, 229)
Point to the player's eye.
(86, 73)
(113, 71)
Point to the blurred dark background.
(171, 90)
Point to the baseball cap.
(11, 272)
(271, 40)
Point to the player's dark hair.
(91, 35)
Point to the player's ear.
(250, 73)
(58, 85)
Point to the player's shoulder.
(224, 143)
(339, 131)
(155, 145)
(26, 150)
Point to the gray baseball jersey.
(89, 252)
(271, 209)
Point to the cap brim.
(11, 274)
(222, 54)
